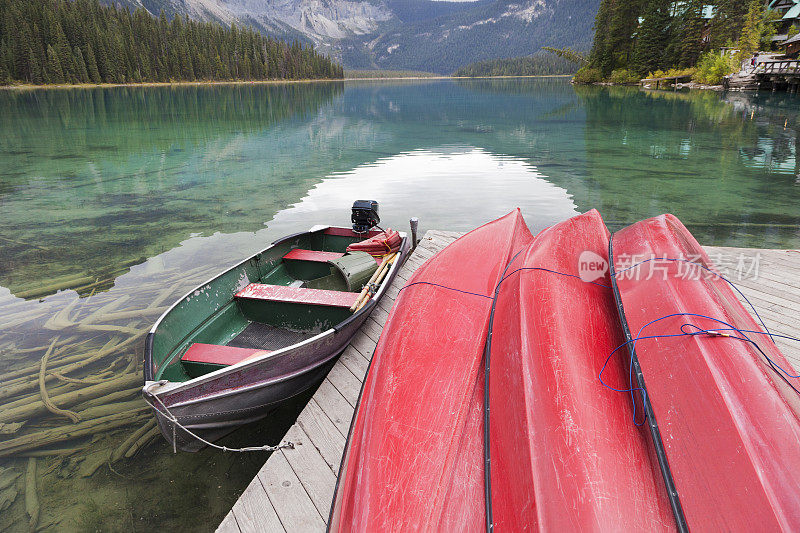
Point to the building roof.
(794, 39)
(793, 12)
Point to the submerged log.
(113, 397)
(9, 429)
(143, 441)
(57, 284)
(61, 320)
(8, 477)
(122, 450)
(109, 327)
(47, 437)
(50, 453)
(28, 317)
(75, 281)
(132, 406)
(53, 408)
(92, 462)
(31, 495)
(69, 399)
(136, 313)
(161, 297)
(7, 497)
(107, 308)
(74, 362)
(76, 381)
(63, 342)
(72, 398)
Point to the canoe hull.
(735, 460)
(414, 458)
(564, 455)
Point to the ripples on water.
(116, 201)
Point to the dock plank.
(327, 440)
(229, 525)
(310, 470)
(253, 513)
(288, 497)
(355, 362)
(346, 383)
(335, 406)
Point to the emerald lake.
(112, 199)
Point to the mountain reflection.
(93, 181)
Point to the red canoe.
(564, 453)
(729, 424)
(414, 458)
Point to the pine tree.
(727, 22)
(752, 28)
(34, 68)
(91, 65)
(649, 49)
(83, 74)
(688, 35)
(55, 74)
(615, 25)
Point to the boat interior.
(298, 288)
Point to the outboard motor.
(365, 215)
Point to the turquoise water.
(114, 198)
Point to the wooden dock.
(294, 489)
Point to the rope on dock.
(166, 412)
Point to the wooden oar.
(365, 291)
(378, 281)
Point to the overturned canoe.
(267, 329)
(727, 420)
(414, 458)
(564, 455)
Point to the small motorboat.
(721, 402)
(266, 329)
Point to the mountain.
(437, 36)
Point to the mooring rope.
(169, 416)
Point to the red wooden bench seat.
(299, 254)
(297, 295)
(214, 354)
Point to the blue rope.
(552, 272)
(404, 287)
(776, 368)
(505, 277)
(717, 274)
(700, 331)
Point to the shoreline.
(649, 86)
(28, 86)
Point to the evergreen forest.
(637, 37)
(81, 41)
(539, 64)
